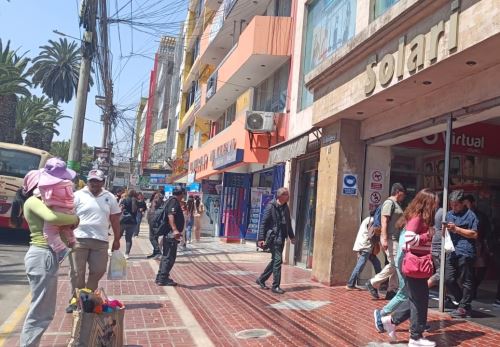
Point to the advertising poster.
(102, 159)
(256, 194)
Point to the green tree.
(13, 82)
(37, 119)
(56, 70)
(61, 148)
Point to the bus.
(15, 162)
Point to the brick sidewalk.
(217, 298)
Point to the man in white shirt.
(97, 209)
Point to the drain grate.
(253, 334)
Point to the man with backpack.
(169, 222)
(364, 247)
(390, 211)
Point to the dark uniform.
(173, 208)
(275, 216)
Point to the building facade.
(385, 76)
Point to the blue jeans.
(189, 228)
(402, 294)
(41, 267)
(363, 257)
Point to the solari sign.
(412, 56)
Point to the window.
(193, 95)
(380, 6)
(330, 24)
(279, 8)
(17, 163)
(271, 94)
(196, 48)
(224, 121)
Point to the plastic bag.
(448, 243)
(117, 269)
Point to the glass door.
(306, 216)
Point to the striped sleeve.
(416, 235)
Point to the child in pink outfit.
(56, 190)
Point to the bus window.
(16, 163)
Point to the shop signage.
(223, 150)
(350, 184)
(388, 65)
(199, 164)
(479, 138)
(228, 159)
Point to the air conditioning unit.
(259, 121)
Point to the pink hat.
(31, 180)
(54, 172)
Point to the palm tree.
(13, 82)
(37, 118)
(57, 70)
(60, 149)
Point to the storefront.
(238, 163)
(400, 79)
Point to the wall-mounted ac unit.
(259, 121)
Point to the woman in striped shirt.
(419, 217)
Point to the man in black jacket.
(276, 222)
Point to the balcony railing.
(212, 84)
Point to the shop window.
(380, 6)
(271, 94)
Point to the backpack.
(159, 220)
(375, 226)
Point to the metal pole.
(447, 157)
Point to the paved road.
(13, 281)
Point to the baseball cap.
(456, 195)
(96, 175)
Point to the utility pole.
(109, 111)
(88, 21)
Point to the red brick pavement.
(224, 304)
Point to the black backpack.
(159, 221)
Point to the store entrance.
(475, 169)
(306, 212)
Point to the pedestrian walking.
(40, 261)
(462, 223)
(128, 219)
(141, 209)
(199, 210)
(389, 237)
(155, 201)
(97, 209)
(174, 227)
(416, 268)
(364, 248)
(483, 233)
(275, 228)
(189, 219)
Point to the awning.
(291, 148)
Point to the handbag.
(415, 266)
(127, 217)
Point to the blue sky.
(30, 24)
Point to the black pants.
(168, 259)
(129, 231)
(274, 266)
(415, 308)
(458, 266)
(154, 240)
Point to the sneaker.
(389, 295)
(62, 255)
(449, 303)
(497, 303)
(71, 308)
(168, 282)
(377, 318)
(461, 313)
(373, 291)
(348, 287)
(421, 342)
(389, 326)
(127, 256)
